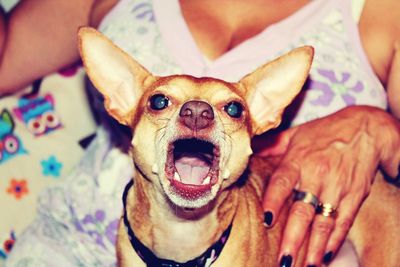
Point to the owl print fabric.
(38, 114)
(43, 134)
(11, 144)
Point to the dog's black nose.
(196, 115)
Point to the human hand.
(334, 158)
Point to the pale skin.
(338, 167)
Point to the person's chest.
(219, 26)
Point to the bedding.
(77, 219)
(44, 130)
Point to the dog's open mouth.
(192, 167)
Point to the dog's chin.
(194, 203)
(192, 172)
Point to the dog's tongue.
(192, 169)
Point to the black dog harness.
(205, 259)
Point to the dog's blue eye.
(234, 109)
(159, 102)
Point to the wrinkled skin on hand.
(335, 158)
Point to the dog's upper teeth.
(177, 177)
(226, 174)
(207, 180)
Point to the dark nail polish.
(312, 265)
(392, 180)
(397, 183)
(286, 261)
(268, 217)
(397, 179)
(328, 257)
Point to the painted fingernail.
(398, 176)
(312, 265)
(328, 257)
(268, 217)
(286, 261)
(392, 180)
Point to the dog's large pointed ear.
(118, 77)
(272, 87)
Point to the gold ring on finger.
(306, 197)
(326, 210)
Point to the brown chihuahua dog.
(195, 200)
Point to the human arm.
(379, 29)
(2, 28)
(40, 38)
(393, 85)
(380, 34)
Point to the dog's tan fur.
(177, 228)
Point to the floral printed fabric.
(77, 220)
(18, 188)
(39, 144)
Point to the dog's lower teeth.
(206, 181)
(154, 169)
(177, 177)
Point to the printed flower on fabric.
(98, 228)
(10, 144)
(144, 11)
(347, 59)
(316, 37)
(7, 245)
(51, 167)
(335, 21)
(38, 114)
(330, 86)
(18, 188)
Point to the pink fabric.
(346, 257)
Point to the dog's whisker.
(164, 119)
(161, 128)
(158, 131)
